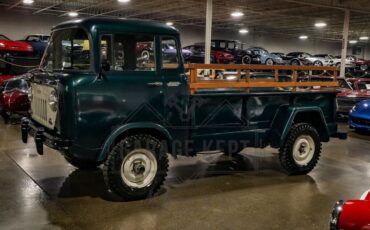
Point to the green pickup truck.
(107, 92)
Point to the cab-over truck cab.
(97, 98)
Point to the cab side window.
(170, 53)
(129, 52)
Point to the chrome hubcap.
(139, 168)
(303, 150)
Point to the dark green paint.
(95, 111)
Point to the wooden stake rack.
(247, 83)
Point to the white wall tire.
(301, 151)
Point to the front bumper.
(43, 137)
(358, 123)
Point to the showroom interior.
(184, 114)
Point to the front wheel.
(136, 167)
(301, 150)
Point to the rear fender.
(285, 118)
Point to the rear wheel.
(136, 167)
(301, 150)
(295, 63)
(246, 59)
(269, 61)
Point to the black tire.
(295, 63)
(269, 61)
(246, 59)
(113, 164)
(82, 164)
(286, 157)
(5, 116)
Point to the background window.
(170, 55)
(129, 52)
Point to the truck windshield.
(69, 49)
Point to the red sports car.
(352, 214)
(4, 78)
(350, 90)
(11, 47)
(14, 97)
(13, 51)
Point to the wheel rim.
(303, 150)
(145, 55)
(317, 64)
(269, 62)
(246, 60)
(139, 168)
(363, 67)
(295, 63)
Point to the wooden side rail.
(247, 82)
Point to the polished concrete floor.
(204, 192)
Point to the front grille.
(361, 121)
(40, 109)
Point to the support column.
(344, 43)
(209, 14)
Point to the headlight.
(354, 108)
(53, 101)
(29, 94)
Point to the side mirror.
(105, 66)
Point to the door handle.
(156, 84)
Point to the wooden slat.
(217, 85)
(260, 67)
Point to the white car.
(336, 60)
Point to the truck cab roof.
(127, 25)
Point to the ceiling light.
(169, 23)
(320, 24)
(303, 37)
(353, 41)
(364, 38)
(28, 2)
(237, 14)
(73, 14)
(243, 31)
(123, 1)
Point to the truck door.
(176, 90)
(129, 89)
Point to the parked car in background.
(303, 58)
(145, 50)
(9, 47)
(359, 116)
(350, 91)
(262, 56)
(217, 56)
(14, 54)
(351, 214)
(4, 78)
(236, 48)
(335, 60)
(278, 54)
(14, 97)
(362, 65)
(38, 42)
